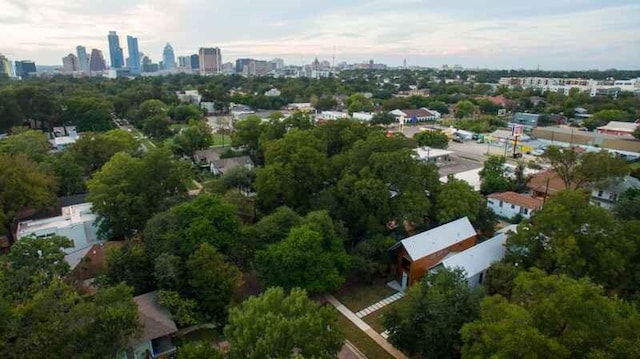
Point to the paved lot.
(459, 164)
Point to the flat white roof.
(619, 126)
(478, 258)
(71, 215)
(472, 177)
(438, 238)
(428, 153)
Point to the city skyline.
(555, 35)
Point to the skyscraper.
(195, 62)
(83, 59)
(210, 60)
(5, 67)
(25, 68)
(70, 63)
(134, 55)
(240, 65)
(168, 57)
(184, 62)
(96, 61)
(115, 51)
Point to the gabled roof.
(418, 113)
(225, 164)
(547, 182)
(436, 239)
(619, 126)
(517, 199)
(479, 257)
(156, 320)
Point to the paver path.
(365, 328)
(372, 308)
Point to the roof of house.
(620, 185)
(517, 199)
(479, 257)
(418, 113)
(208, 155)
(156, 320)
(539, 182)
(225, 164)
(436, 239)
(90, 261)
(619, 126)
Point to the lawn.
(360, 296)
(375, 319)
(361, 340)
(635, 165)
(219, 139)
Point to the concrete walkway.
(372, 308)
(365, 328)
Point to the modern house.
(609, 195)
(418, 115)
(158, 327)
(511, 204)
(618, 128)
(476, 260)
(421, 252)
(77, 223)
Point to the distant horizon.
(558, 35)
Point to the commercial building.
(184, 62)
(77, 223)
(618, 128)
(115, 51)
(70, 63)
(97, 63)
(195, 61)
(242, 65)
(168, 57)
(83, 58)
(134, 55)
(624, 146)
(5, 66)
(25, 68)
(210, 60)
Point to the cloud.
(553, 33)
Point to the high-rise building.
(168, 57)
(5, 67)
(278, 63)
(240, 65)
(25, 68)
(70, 63)
(115, 51)
(258, 68)
(184, 62)
(195, 62)
(96, 61)
(83, 59)
(134, 55)
(210, 60)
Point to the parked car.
(457, 139)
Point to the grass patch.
(376, 319)
(635, 165)
(360, 340)
(220, 140)
(360, 296)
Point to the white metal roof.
(479, 257)
(619, 126)
(438, 238)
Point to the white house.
(272, 92)
(418, 115)
(362, 116)
(476, 260)
(510, 204)
(608, 196)
(332, 115)
(190, 96)
(77, 223)
(63, 137)
(435, 155)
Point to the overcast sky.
(554, 34)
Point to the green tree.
(212, 282)
(434, 139)
(428, 321)
(553, 316)
(603, 117)
(199, 350)
(148, 109)
(296, 327)
(636, 133)
(311, 263)
(33, 144)
(169, 272)
(628, 205)
(69, 174)
(357, 102)
(157, 127)
(247, 133)
(23, 184)
(127, 191)
(383, 118)
(464, 108)
(325, 103)
(493, 176)
(584, 170)
(457, 199)
(181, 309)
(186, 112)
(130, 265)
(276, 226)
(88, 113)
(93, 150)
(196, 136)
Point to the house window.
(513, 206)
(406, 264)
(501, 203)
(599, 193)
(613, 196)
(524, 210)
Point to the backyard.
(359, 296)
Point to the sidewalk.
(365, 328)
(372, 308)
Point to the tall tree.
(69, 174)
(23, 185)
(428, 321)
(553, 316)
(213, 282)
(457, 199)
(33, 144)
(127, 191)
(494, 177)
(129, 264)
(93, 150)
(194, 137)
(295, 326)
(434, 139)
